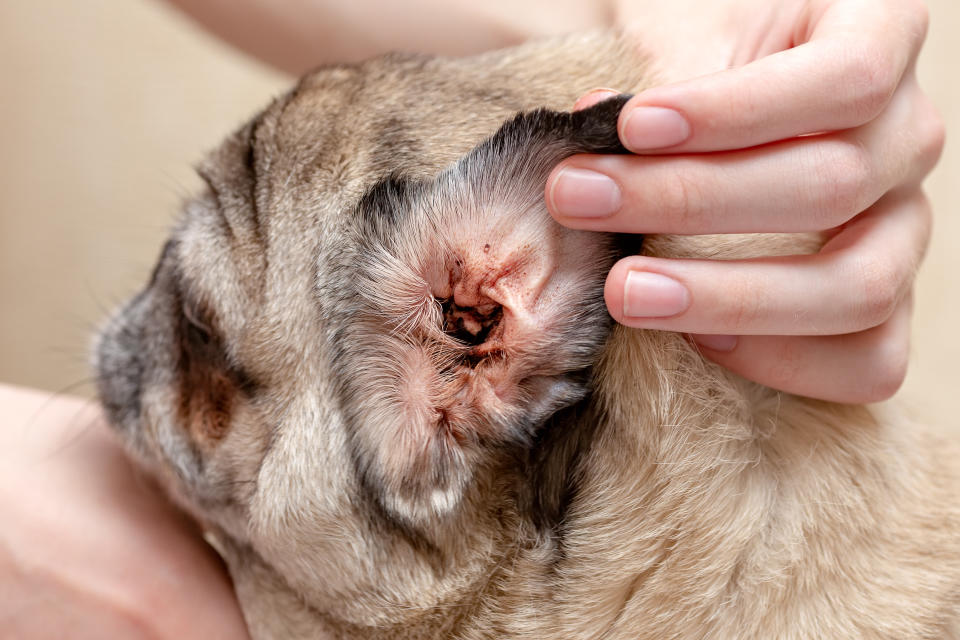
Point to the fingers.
(849, 65)
(854, 283)
(868, 366)
(831, 325)
(803, 184)
(830, 181)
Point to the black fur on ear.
(590, 130)
(538, 139)
(595, 128)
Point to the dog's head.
(357, 334)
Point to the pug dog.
(383, 380)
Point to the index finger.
(841, 77)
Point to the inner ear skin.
(474, 315)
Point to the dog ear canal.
(476, 317)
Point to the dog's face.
(356, 335)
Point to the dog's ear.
(474, 315)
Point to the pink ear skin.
(477, 316)
(472, 334)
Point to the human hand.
(721, 154)
(87, 548)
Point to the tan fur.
(704, 506)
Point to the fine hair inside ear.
(475, 316)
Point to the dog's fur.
(384, 381)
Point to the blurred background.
(105, 107)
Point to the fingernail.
(651, 295)
(715, 342)
(654, 128)
(580, 193)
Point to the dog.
(384, 381)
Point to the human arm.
(88, 547)
(298, 35)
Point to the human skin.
(89, 548)
(844, 69)
(743, 79)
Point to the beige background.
(106, 105)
